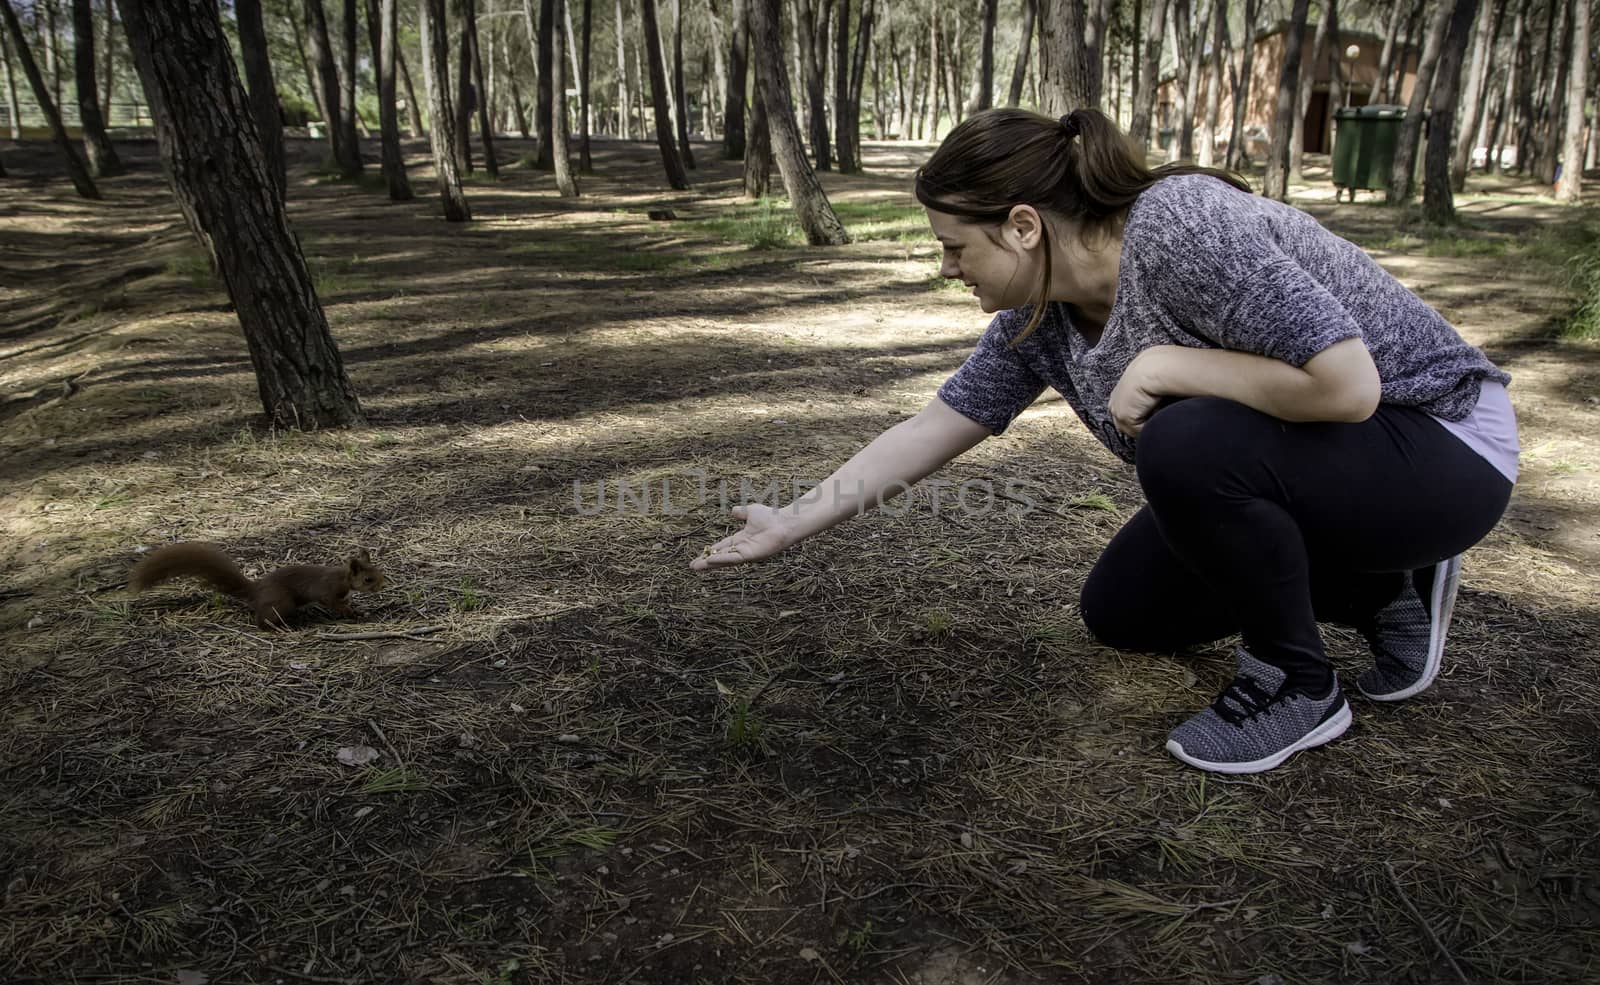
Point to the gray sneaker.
(1257, 722)
(1407, 635)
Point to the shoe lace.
(1248, 698)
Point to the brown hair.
(1080, 167)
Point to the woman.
(1314, 442)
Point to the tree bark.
(677, 177)
(843, 146)
(322, 55)
(1414, 23)
(1237, 153)
(1488, 27)
(442, 138)
(217, 169)
(1552, 117)
(491, 163)
(624, 106)
(858, 69)
(1379, 93)
(680, 96)
(108, 74)
(12, 103)
(983, 87)
(1149, 65)
(466, 93)
(1570, 185)
(263, 90)
(585, 159)
(1019, 71)
(1207, 155)
(1405, 154)
(51, 42)
(1276, 183)
(1506, 104)
(312, 84)
(76, 169)
(930, 129)
(103, 160)
(810, 202)
(394, 164)
(1069, 70)
(348, 79)
(546, 97)
(1438, 200)
(758, 143)
(1181, 145)
(811, 26)
(733, 130)
(560, 131)
(1304, 86)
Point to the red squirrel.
(274, 596)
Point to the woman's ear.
(1025, 226)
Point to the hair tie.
(1069, 123)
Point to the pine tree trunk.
(1149, 64)
(560, 131)
(1019, 71)
(1380, 88)
(543, 117)
(1405, 154)
(1237, 153)
(263, 90)
(1207, 155)
(680, 96)
(1501, 127)
(312, 86)
(677, 177)
(1552, 115)
(1438, 200)
(103, 160)
(1336, 91)
(930, 130)
(843, 146)
(811, 26)
(76, 169)
(624, 107)
(1414, 23)
(322, 56)
(585, 159)
(217, 169)
(983, 86)
(385, 58)
(1306, 83)
(810, 202)
(1068, 68)
(491, 163)
(466, 92)
(1181, 144)
(12, 103)
(758, 142)
(413, 108)
(1569, 186)
(51, 42)
(108, 72)
(1276, 183)
(352, 140)
(733, 131)
(858, 68)
(442, 138)
(1482, 46)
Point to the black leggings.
(1264, 527)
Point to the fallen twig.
(1416, 915)
(398, 634)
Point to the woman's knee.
(1106, 615)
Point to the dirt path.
(893, 757)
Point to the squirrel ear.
(363, 556)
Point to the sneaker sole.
(1441, 603)
(1326, 732)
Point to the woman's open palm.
(762, 537)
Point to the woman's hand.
(764, 535)
(1138, 393)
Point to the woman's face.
(999, 262)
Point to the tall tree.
(485, 99)
(103, 160)
(1181, 145)
(758, 144)
(1069, 68)
(1207, 155)
(1473, 90)
(1438, 201)
(1570, 185)
(1149, 65)
(1417, 21)
(983, 85)
(624, 116)
(1237, 154)
(466, 92)
(108, 72)
(1305, 88)
(215, 163)
(385, 58)
(1276, 183)
(1019, 71)
(1506, 104)
(347, 81)
(263, 90)
(345, 158)
(843, 145)
(811, 32)
(312, 85)
(680, 96)
(441, 135)
(12, 103)
(817, 218)
(738, 82)
(1552, 117)
(76, 170)
(585, 160)
(413, 105)
(1405, 154)
(677, 177)
(560, 132)
(1379, 93)
(546, 96)
(858, 69)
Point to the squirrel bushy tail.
(205, 561)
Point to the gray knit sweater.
(1206, 265)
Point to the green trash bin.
(1363, 148)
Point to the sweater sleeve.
(995, 384)
(1218, 268)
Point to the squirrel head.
(364, 575)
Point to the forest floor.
(892, 755)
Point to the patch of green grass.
(369, 179)
(1573, 250)
(195, 267)
(1094, 501)
(769, 224)
(897, 220)
(745, 727)
(468, 599)
(938, 623)
(395, 780)
(607, 257)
